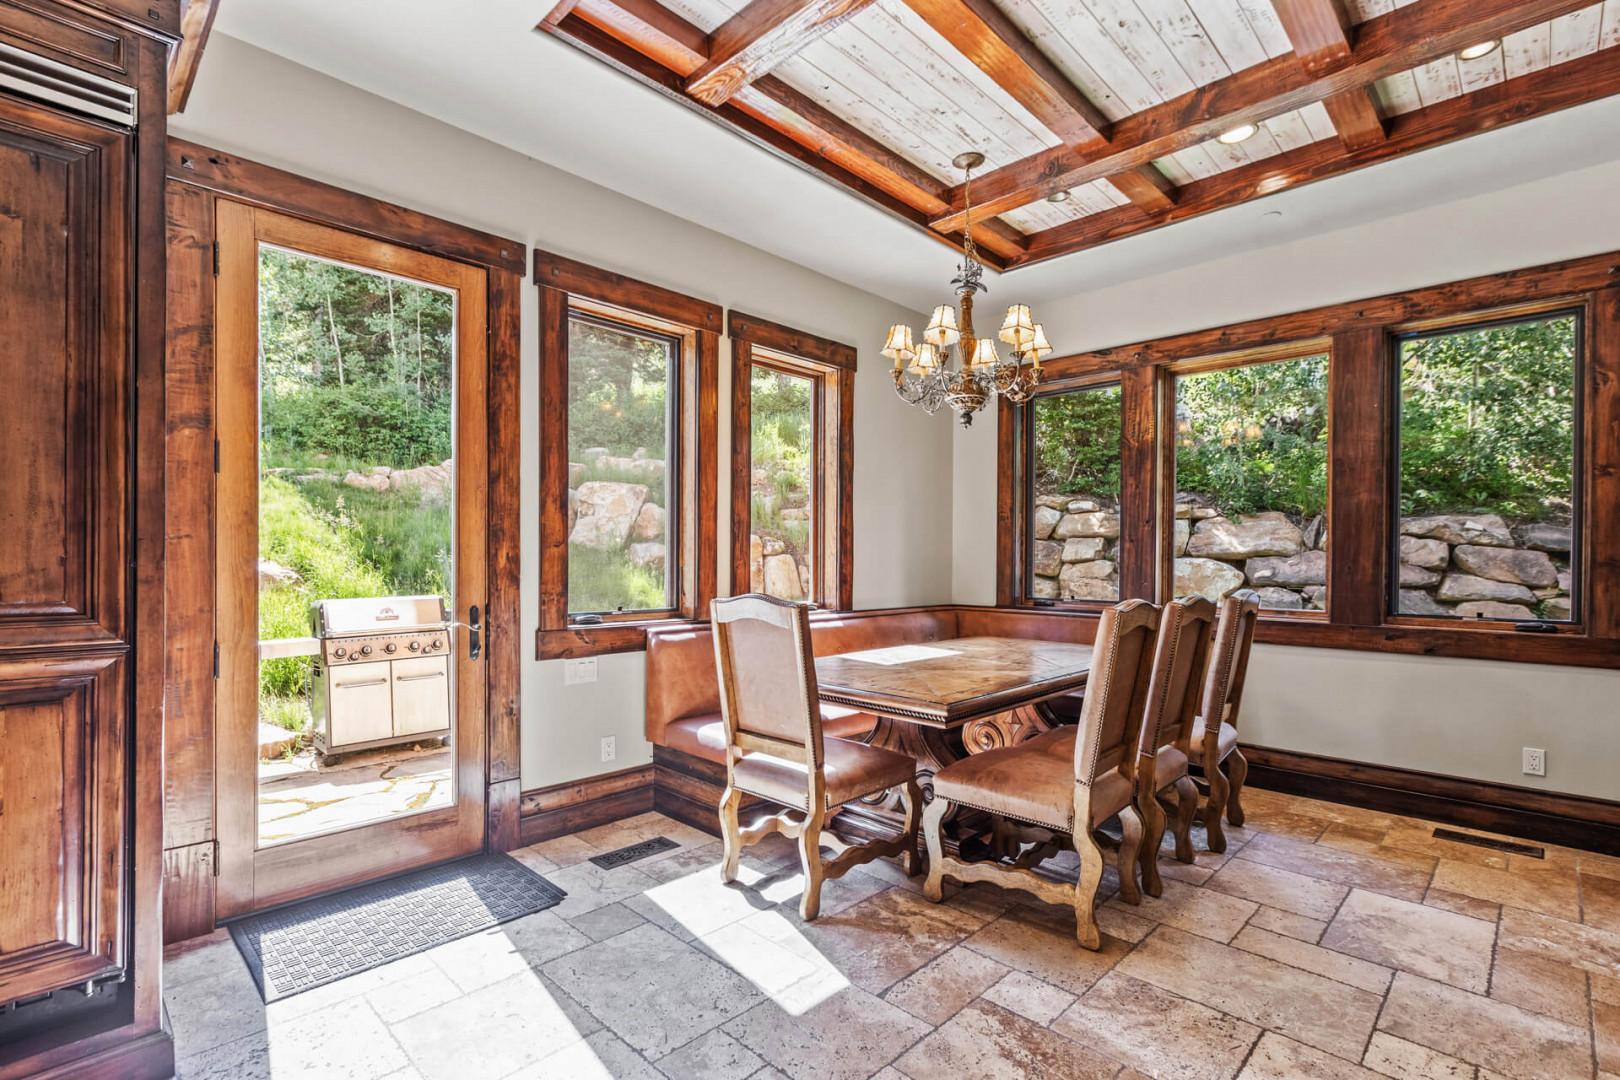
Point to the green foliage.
(618, 389)
(401, 537)
(1487, 420)
(383, 425)
(608, 581)
(1254, 438)
(1077, 440)
(781, 417)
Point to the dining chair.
(1068, 781)
(1179, 659)
(1214, 733)
(775, 749)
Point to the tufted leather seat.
(849, 770)
(1034, 782)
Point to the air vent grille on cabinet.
(47, 81)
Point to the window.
(1074, 489)
(1487, 471)
(792, 450)
(1251, 482)
(628, 385)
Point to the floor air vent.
(609, 860)
(28, 75)
(1509, 846)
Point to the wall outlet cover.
(581, 670)
(610, 747)
(1535, 761)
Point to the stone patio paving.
(301, 797)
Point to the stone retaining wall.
(1470, 565)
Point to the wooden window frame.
(567, 286)
(1361, 459)
(832, 366)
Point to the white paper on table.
(898, 654)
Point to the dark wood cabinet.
(81, 536)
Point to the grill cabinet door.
(359, 707)
(421, 695)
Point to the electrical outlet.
(1535, 761)
(610, 747)
(582, 670)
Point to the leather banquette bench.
(683, 691)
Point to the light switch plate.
(582, 670)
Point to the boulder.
(1250, 535)
(573, 508)
(594, 454)
(1557, 608)
(1517, 565)
(804, 578)
(1429, 554)
(1315, 533)
(1487, 530)
(1206, 577)
(1088, 588)
(431, 481)
(1466, 587)
(1280, 599)
(607, 509)
(1204, 513)
(649, 523)
(576, 473)
(380, 470)
(756, 564)
(773, 546)
(1545, 537)
(1183, 533)
(1097, 523)
(1294, 572)
(1046, 520)
(1418, 577)
(649, 469)
(1083, 548)
(366, 481)
(1046, 558)
(1052, 502)
(1493, 609)
(782, 577)
(273, 574)
(1316, 597)
(1418, 602)
(1099, 568)
(1044, 588)
(1564, 581)
(648, 556)
(1083, 506)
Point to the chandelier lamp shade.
(950, 365)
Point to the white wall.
(262, 106)
(1459, 717)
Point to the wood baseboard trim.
(561, 809)
(1575, 821)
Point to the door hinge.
(216, 455)
(214, 858)
(216, 659)
(216, 258)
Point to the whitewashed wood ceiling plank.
(1316, 118)
(1184, 34)
(1487, 70)
(1197, 161)
(1527, 50)
(1610, 36)
(704, 14)
(1035, 20)
(1229, 32)
(1438, 81)
(1576, 35)
(1074, 23)
(1362, 10)
(1290, 130)
(1266, 26)
(1126, 26)
(1175, 170)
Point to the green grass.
(607, 581)
(291, 713)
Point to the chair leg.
(933, 823)
(1186, 810)
(730, 833)
(810, 860)
(911, 799)
(1086, 931)
(1153, 823)
(1237, 768)
(1214, 833)
(1130, 850)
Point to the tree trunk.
(393, 340)
(337, 347)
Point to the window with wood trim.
(792, 459)
(1488, 470)
(628, 401)
(1250, 468)
(1073, 494)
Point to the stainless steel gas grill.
(383, 672)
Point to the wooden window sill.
(598, 639)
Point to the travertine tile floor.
(1327, 942)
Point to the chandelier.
(923, 374)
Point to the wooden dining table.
(939, 701)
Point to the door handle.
(473, 634)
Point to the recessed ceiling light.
(1237, 134)
(1474, 52)
(1058, 196)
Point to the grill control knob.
(365, 650)
(416, 646)
(390, 648)
(340, 652)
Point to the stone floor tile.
(602, 1056)
(589, 887)
(1393, 873)
(563, 850)
(1550, 892)
(1278, 888)
(880, 941)
(1600, 901)
(1029, 941)
(214, 1009)
(1592, 863)
(715, 1056)
(1472, 906)
(1353, 837)
(1589, 948)
(198, 957)
(769, 950)
(837, 894)
(621, 979)
(937, 991)
(1329, 1015)
(1418, 837)
(244, 1058)
(1520, 1044)
(986, 1042)
(1288, 924)
(490, 956)
(1404, 1060)
(1279, 1058)
(1198, 911)
(1287, 823)
(847, 1036)
(400, 998)
(535, 861)
(1374, 978)
(458, 1040)
(1541, 984)
(1157, 1032)
(687, 860)
(604, 922)
(1606, 1022)
(1029, 997)
(700, 903)
(1121, 923)
(1414, 937)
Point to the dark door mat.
(311, 943)
(608, 860)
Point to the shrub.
(391, 425)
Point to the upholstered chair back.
(1179, 659)
(1116, 690)
(767, 676)
(1229, 658)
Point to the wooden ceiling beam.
(752, 42)
(196, 22)
(1322, 33)
(1589, 78)
(1405, 38)
(993, 43)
